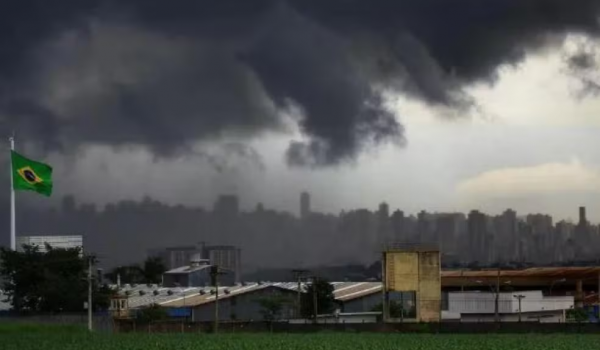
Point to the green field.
(55, 338)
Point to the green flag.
(30, 175)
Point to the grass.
(30, 337)
(32, 328)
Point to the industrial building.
(580, 282)
(196, 274)
(524, 306)
(64, 242)
(241, 300)
(538, 294)
(355, 300)
(228, 258)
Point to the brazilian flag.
(29, 175)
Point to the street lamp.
(519, 297)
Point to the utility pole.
(519, 297)
(314, 289)
(214, 274)
(217, 304)
(598, 293)
(496, 306)
(89, 302)
(298, 274)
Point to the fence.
(127, 326)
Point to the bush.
(152, 313)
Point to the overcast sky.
(467, 107)
(533, 147)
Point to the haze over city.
(173, 102)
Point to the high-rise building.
(399, 233)
(507, 239)
(563, 238)
(541, 236)
(61, 242)
(582, 217)
(478, 236)
(448, 229)
(582, 238)
(226, 257)
(304, 205)
(383, 223)
(426, 228)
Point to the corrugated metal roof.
(207, 295)
(187, 269)
(356, 290)
(345, 291)
(534, 272)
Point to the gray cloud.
(165, 75)
(582, 65)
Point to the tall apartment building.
(174, 257)
(507, 239)
(304, 205)
(478, 236)
(581, 236)
(384, 227)
(226, 257)
(449, 227)
(541, 236)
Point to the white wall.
(484, 302)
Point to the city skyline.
(270, 238)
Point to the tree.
(321, 291)
(54, 281)
(151, 313)
(578, 315)
(272, 306)
(151, 272)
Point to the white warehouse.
(530, 306)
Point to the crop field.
(30, 338)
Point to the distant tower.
(582, 218)
(384, 211)
(304, 204)
(383, 222)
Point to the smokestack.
(582, 218)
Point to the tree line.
(56, 280)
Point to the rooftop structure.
(143, 295)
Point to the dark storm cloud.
(583, 66)
(165, 74)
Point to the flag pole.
(13, 241)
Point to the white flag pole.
(13, 238)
